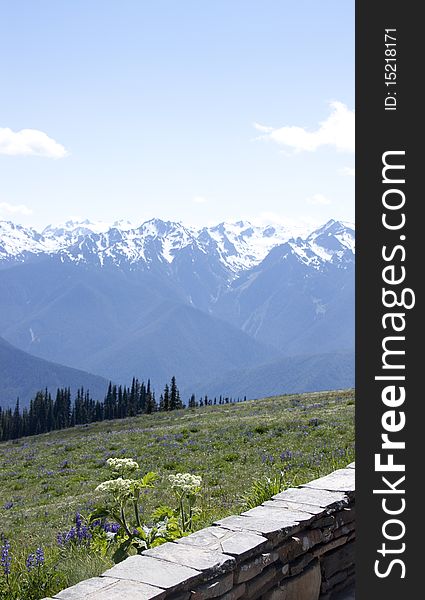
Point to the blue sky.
(199, 111)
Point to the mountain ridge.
(164, 299)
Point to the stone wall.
(297, 546)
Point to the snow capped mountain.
(159, 297)
(242, 245)
(236, 246)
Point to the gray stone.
(275, 511)
(235, 543)
(213, 589)
(300, 563)
(255, 587)
(342, 480)
(332, 582)
(234, 594)
(154, 571)
(351, 465)
(347, 515)
(329, 546)
(254, 567)
(315, 497)
(296, 506)
(303, 587)
(338, 560)
(271, 528)
(82, 589)
(128, 589)
(107, 588)
(326, 521)
(193, 557)
(310, 538)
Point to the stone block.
(273, 528)
(296, 506)
(290, 549)
(300, 563)
(338, 560)
(310, 538)
(193, 557)
(302, 587)
(342, 480)
(347, 515)
(329, 546)
(329, 584)
(155, 572)
(276, 511)
(237, 544)
(254, 567)
(82, 589)
(316, 497)
(254, 587)
(234, 594)
(107, 588)
(213, 589)
(326, 521)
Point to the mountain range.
(164, 299)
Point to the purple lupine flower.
(286, 455)
(8, 505)
(31, 562)
(39, 556)
(6, 558)
(111, 527)
(70, 535)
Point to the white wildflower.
(120, 487)
(122, 466)
(185, 482)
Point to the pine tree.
(166, 398)
(174, 395)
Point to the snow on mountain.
(17, 242)
(242, 245)
(237, 246)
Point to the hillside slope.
(22, 375)
(289, 375)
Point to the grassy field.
(45, 479)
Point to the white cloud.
(199, 200)
(318, 199)
(15, 209)
(336, 131)
(263, 128)
(350, 171)
(29, 142)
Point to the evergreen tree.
(166, 398)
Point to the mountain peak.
(237, 245)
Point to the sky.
(198, 111)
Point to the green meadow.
(46, 479)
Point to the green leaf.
(99, 513)
(121, 552)
(148, 479)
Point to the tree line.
(46, 413)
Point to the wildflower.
(30, 563)
(122, 466)
(78, 520)
(121, 488)
(39, 556)
(185, 482)
(6, 558)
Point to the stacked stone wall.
(297, 546)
